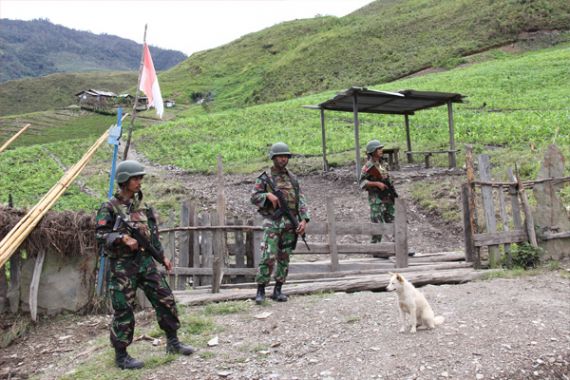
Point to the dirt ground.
(496, 329)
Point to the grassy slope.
(525, 106)
(522, 91)
(381, 42)
(57, 90)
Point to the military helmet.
(128, 169)
(279, 149)
(372, 146)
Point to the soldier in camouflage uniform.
(379, 198)
(133, 267)
(280, 236)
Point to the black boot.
(277, 295)
(124, 361)
(260, 296)
(173, 345)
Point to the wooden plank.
(195, 241)
(401, 234)
(488, 207)
(505, 221)
(496, 238)
(183, 243)
(528, 219)
(452, 151)
(467, 229)
(35, 284)
(257, 237)
(409, 154)
(515, 205)
(384, 249)
(345, 272)
(351, 227)
(14, 289)
(249, 249)
(356, 135)
(3, 290)
(219, 253)
(209, 271)
(206, 249)
(332, 234)
(11, 139)
(324, 141)
(240, 246)
(364, 283)
(170, 249)
(556, 235)
(440, 257)
(470, 171)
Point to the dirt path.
(496, 329)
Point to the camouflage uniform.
(381, 203)
(279, 237)
(133, 269)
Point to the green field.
(516, 105)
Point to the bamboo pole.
(11, 139)
(20, 232)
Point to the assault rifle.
(377, 177)
(283, 207)
(144, 243)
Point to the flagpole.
(134, 114)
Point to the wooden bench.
(427, 155)
(392, 158)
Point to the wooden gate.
(207, 252)
(498, 213)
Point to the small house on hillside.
(96, 100)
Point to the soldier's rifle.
(144, 243)
(378, 177)
(283, 207)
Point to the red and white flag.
(149, 83)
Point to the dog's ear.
(399, 277)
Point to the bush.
(525, 256)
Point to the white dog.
(412, 303)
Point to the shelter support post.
(452, 152)
(356, 135)
(324, 141)
(408, 140)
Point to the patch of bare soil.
(497, 329)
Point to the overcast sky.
(185, 25)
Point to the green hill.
(58, 90)
(381, 42)
(516, 106)
(38, 47)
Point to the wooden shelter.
(406, 102)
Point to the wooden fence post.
(505, 220)
(206, 249)
(474, 256)
(170, 249)
(184, 243)
(331, 224)
(488, 206)
(257, 237)
(401, 234)
(195, 241)
(3, 289)
(218, 264)
(468, 232)
(14, 289)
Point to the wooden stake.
(11, 139)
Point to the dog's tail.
(439, 320)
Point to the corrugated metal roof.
(376, 101)
(97, 93)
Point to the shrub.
(525, 256)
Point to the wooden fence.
(207, 252)
(497, 214)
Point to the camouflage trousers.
(128, 274)
(380, 212)
(277, 245)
